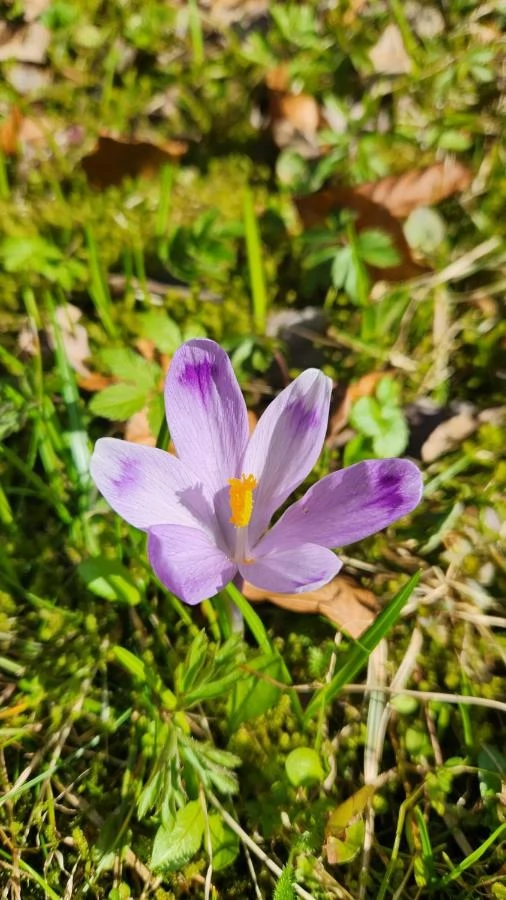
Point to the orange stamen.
(241, 499)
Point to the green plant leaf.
(131, 367)
(365, 416)
(118, 402)
(174, 847)
(356, 657)
(387, 392)
(303, 767)
(163, 331)
(284, 885)
(394, 439)
(224, 842)
(109, 579)
(376, 248)
(251, 697)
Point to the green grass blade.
(255, 264)
(99, 288)
(253, 621)
(356, 657)
(474, 856)
(196, 35)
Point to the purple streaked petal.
(188, 563)
(351, 504)
(147, 486)
(206, 412)
(286, 444)
(292, 570)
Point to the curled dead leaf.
(95, 381)
(448, 435)
(24, 43)
(292, 115)
(138, 431)
(389, 56)
(342, 600)
(9, 132)
(401, 194)
(114, 159)
(74, 337)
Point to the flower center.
(241, 499)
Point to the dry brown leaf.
(314, 209)
(17, 132)
(252, 421)
(388, 55)
(32, 9)
(342, 601)
(226, 12)
(95, 381)
(366, 386)
(114, 159)
(74, 337)
(138, 431)
(146, 348)
(9, 132)
(292, 116)
(24, 43)
(448, 435)
(401, 194)
(28, 79)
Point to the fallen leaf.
(74, 337)
(24, 43)
(138, 431)
(9, 132)
(401, 194)
(427, 21)
(292, 115)
(448, 435)
(27, 79)
(314, 209)
(32, 9)
(252, 421)
(388, 55)
(225, 12)
(114, 159)
(95, 381)
(342, 601)
(18, 132)
(366, 386)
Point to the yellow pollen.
(241, 499)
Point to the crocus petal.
(147, 486)
(351, 504)
(206, 412)
(188, 563)
(304, 567)
(286, 444)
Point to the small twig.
(437, 696)
(253, 874)
(460, 267)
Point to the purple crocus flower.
(206, 511)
